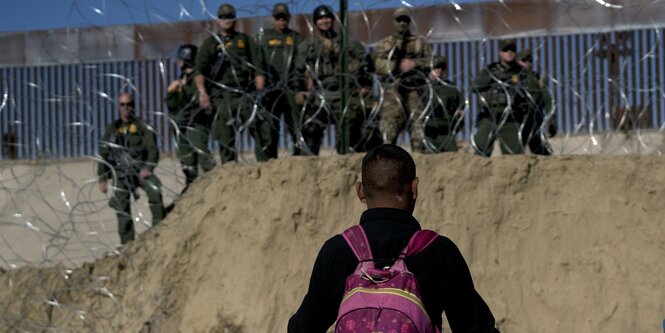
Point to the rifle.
(123, 163)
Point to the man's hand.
(407, 65)
(104, 186)
(145, 173)
(173, 86)
(204, 101)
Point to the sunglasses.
(281, 17)
(403, 19)
(226, 17)
(511, 48)
(128, 105)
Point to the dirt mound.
(554, 244)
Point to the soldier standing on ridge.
(319, 58)
(228, 70)
(532, 132)
(403, 60)
(129, 155)
(506, 97)
(445, 110)
(278, 46)
(192, 124)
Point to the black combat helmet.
(187, 53)
(322, 11)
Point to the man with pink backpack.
(386, 274)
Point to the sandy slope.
(571, 243)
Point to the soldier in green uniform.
(403, 60)
(532, 133)
(129, 154)
(192, 126)
(505, 96)
(319, 58)
(278, 46)
(228, 72)
(444, 110)
(366, 106)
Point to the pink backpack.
(383, 300)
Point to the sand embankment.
(567, 243)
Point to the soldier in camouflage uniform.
(403, 60)
(532, 134)
(506, 96)
(228, 72)
(444, 110)
(278, 46)
(319, 58)
(192, 124)
(129, 154)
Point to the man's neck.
(508, 65)
(127, 120)
(330, 33)
(403, 34)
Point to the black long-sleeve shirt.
(444, 276)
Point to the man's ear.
(361, 194)
(414, 188)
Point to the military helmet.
(226, 11)
(399, 12)
(525, 55)
(322, 11)
(187, 53)
(440, 62)
(281, 8)
(507, 43)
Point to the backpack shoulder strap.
(419, 241)
(357, 239)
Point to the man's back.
(443, 275)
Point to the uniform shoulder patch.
(289, 40)
(240, 44)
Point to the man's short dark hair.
(386, 169)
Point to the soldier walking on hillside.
(192, 124)
(403, 60)
(228, 72)
(129, 154)
(445, 110)
(278, 46)
(319, 58)
(506, 97)
(532, 133)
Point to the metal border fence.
(600, 82)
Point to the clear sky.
(24, 15)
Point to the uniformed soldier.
(505, 96)
(129, 155)
(278, 46)
(192, 126)
(445, 110)
(228, 72)
(403, 61)
(319, 58)
(532, 133)
(366, 106)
